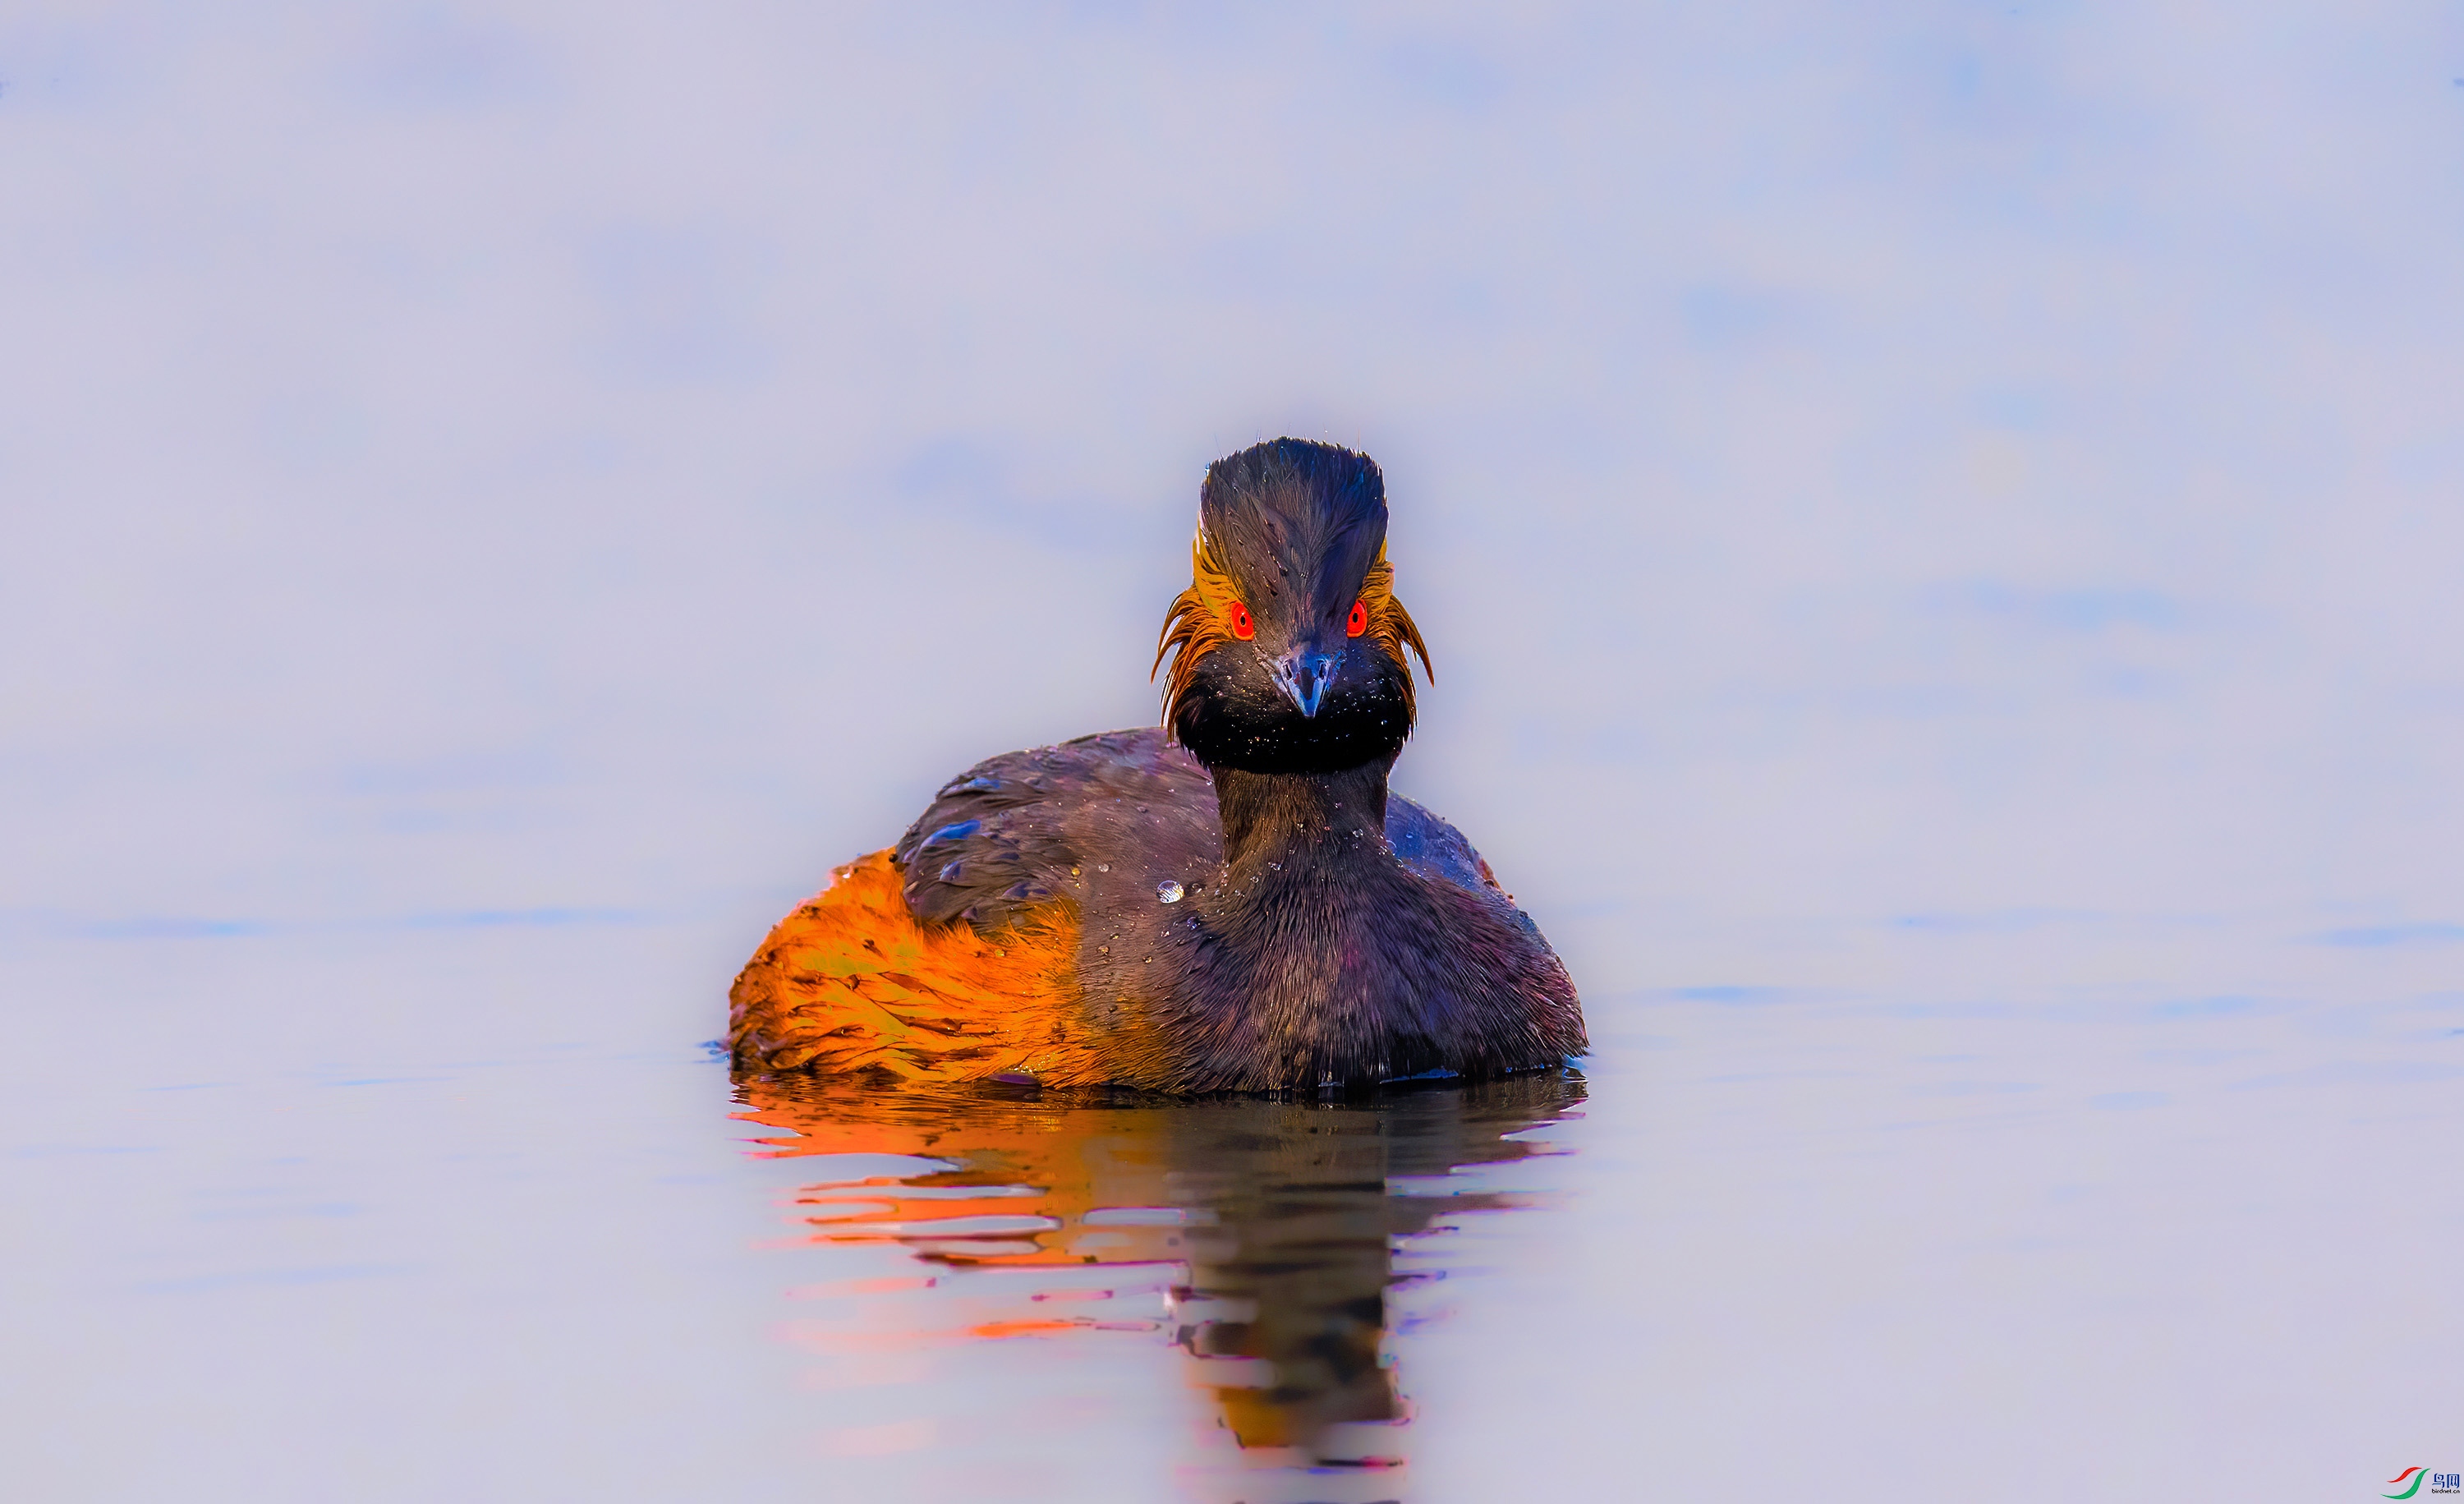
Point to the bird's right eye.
(1243, 627)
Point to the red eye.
(1243, 627)
(1360, 621)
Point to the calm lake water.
(429, 1213)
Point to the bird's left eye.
(1243, 627)
(1360, 621)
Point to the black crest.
(1298, 523)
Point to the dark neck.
(1270, 817)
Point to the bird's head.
(1288, 647)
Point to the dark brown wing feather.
(1024, 827)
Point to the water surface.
(1263, 1255)
(453, 1212)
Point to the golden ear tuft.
(1391, 627)
(1199, 622)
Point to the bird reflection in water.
(1258, 1235)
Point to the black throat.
(1321, 957)
(1289, 824)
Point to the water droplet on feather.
(1168, 891)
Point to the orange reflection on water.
(1256, 1236)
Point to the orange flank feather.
(851, 983)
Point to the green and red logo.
(2411, 1489)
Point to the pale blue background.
(1937, 525)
